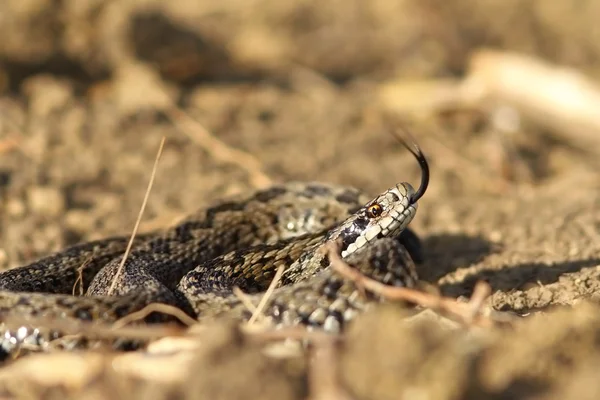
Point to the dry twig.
(219, 150)
(562, 99)
(78, 284)
(245, 299)
(155, 307)
(468, 313)
(480, 293)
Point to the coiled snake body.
(242, 243)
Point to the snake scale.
(241, 242)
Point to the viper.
(236, 242)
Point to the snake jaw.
(389, 226)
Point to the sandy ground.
(88, 89)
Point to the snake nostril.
(409, 191)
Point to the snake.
(237, 242)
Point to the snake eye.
(374, 211)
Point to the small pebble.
(46, 239)
(495, 236)
(80, 221)
(47, 201)
(47, 94)
(15, 208)
(3, 259)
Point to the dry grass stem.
(265, 298)
(468, 313)
(79, 281)
(481, 292)
(245, 299)
(139, 218)
(562, 99)
(219, 150)
(155, 307)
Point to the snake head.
(385, 216)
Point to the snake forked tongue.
(415, 150)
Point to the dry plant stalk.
(469, 313)
(139, 218)
(559, 98)
(265, 298)
(245, 299)
(155, 307)
(218, 149)
(79, 281)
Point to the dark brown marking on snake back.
(331, 288)
(316, 190)
(348, 197)
(269, 194)
(214, 211)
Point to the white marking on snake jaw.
(360, 242)
(373, 232)
(390, 225)
(351, 249)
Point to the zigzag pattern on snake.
(195, 264)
